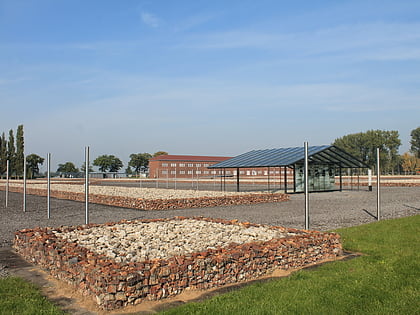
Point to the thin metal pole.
(140, 178)
(237, 179)
(285, 180)
(87, 185)
(24, 183)
(49, 185)
(378, 180)
(197, 176)
(306, 187)
(7, 182)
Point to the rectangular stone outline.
(115, 285)
(159, 204)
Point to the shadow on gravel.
(372, 215)
(411, 207)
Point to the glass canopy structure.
(325, 163)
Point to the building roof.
(190, 158)
(325, 154)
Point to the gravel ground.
(328, 210)
(135, 192)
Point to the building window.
(206, 165)
(173, 164)
(190, 172)
(214, 172)
(198, 172)
(182, 172)
(190, 165)
(173, 172)
(206, 172)
(198, 165)
(165, 172)
(165, 164)
(182, 165)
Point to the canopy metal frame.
(328, 155)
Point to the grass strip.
(384, 280)
(19, 297)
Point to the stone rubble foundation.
(116, 283)
(161, 203)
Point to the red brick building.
(193, 166)
(187, 166)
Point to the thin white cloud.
(363, 41)
(150, 19)
(195, 21)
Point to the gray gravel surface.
(328, 210)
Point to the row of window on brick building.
(195, 171)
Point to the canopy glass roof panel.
(326, 154)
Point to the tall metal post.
(140, 179)
(87, 185)
(306, 187)
(197, 176)
(285, 180)
(175, 178)
(237, 179)
(48, 185)
(378, 190)
(24, 182)
(7, 182)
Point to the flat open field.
(327, 211)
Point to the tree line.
(110, 163)
(12, 149)
(363, 146)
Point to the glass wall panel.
(320, 178)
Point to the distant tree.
(415, 142)
(139, 160)
(11, 152)
(32, 164)
(128, 170)
(363, 146)
(67, 167)
(108, 163)
(410, 163)
(83, 168)
(3, 153)
(159, 153)
(20, 149)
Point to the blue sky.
(205, 77)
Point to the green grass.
(385, 280)
(18, 297)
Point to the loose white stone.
(140, 241)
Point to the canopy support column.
(285, 180)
